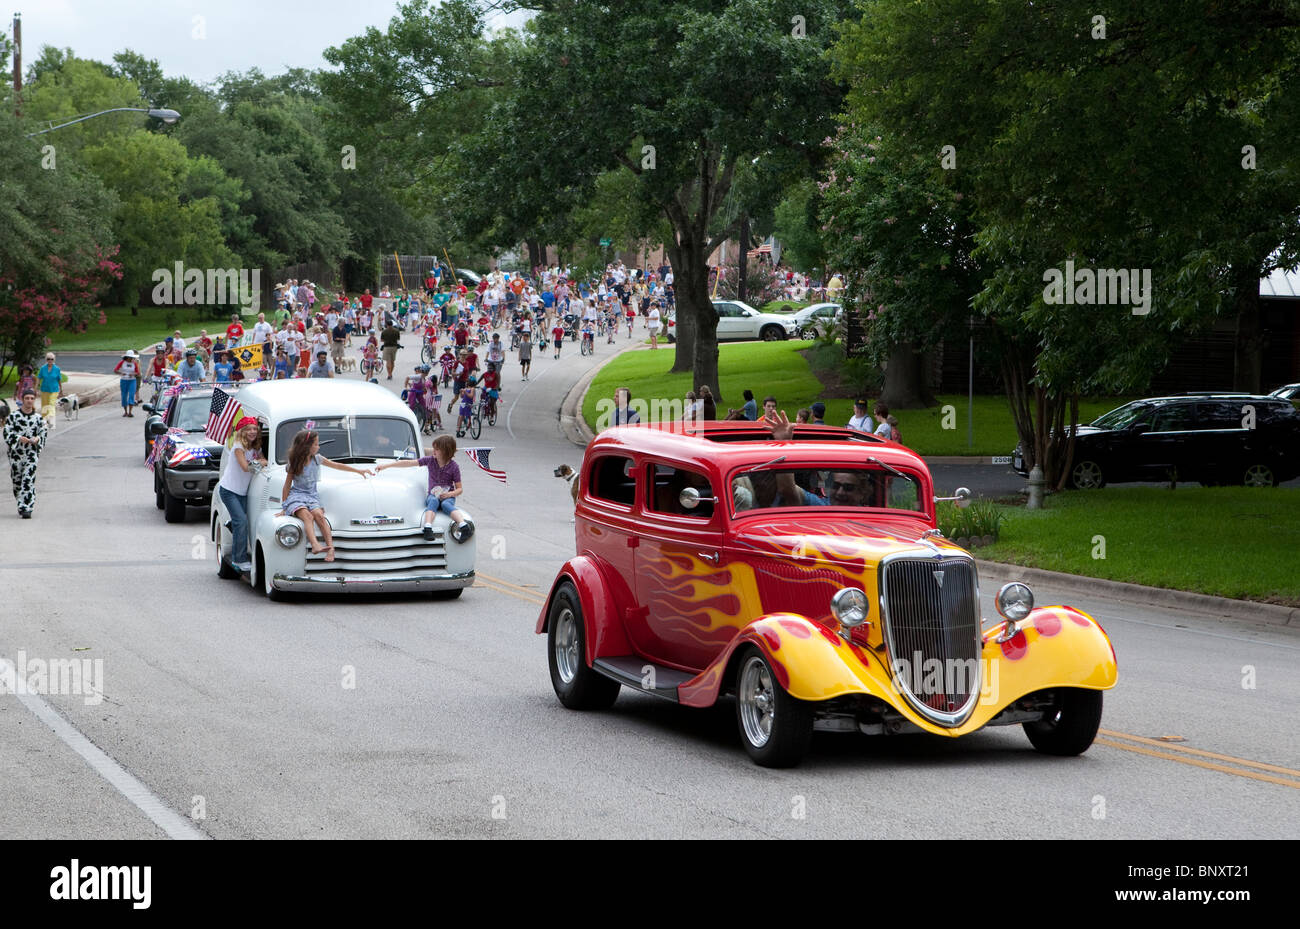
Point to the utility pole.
(18, 64)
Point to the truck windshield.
(783, 488)
(352, 438)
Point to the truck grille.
(932, 629)
(378, 554)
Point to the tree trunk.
(1248, 355)
(742, 260)
(905, 381)
(534, 254)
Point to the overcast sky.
(201, 39)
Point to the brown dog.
(564, 472)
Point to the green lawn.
(763, 367)
(776, 305)
(778, 369)
(1228, 541)
(123, 331)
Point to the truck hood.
(841, 540)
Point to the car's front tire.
(775, 727)
(1087, 475)
(1070, 728)
(264, 579)
(772, 333)
(576, 684)
(173, 507)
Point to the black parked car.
(1211, 438)
(191, 482)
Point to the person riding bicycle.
(370, 357)
(491, 384)
(448, 363)
(588, 336)
(417, 390)
(496, 352)
(466, 412)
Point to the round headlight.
(849, 607)
(1015, 601)
(289, 535)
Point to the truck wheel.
(577, 686)
(173, 508)
(775, 727)
(772, 334)
(158, 499)
(1070, 728)
(225, 570)
(264, 578)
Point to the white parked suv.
(376, 521)
(739, 320)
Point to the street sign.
(606, 243)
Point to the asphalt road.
(234, 715)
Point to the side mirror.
(690, 498)
(961, 497)
(158, 428)
(147, 407)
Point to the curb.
(572, 424)
(1220, 607)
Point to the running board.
(642, 675)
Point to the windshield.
(353, 438)
(1125, 415)
(769, 488)
(193, 414)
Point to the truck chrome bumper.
(359, 583)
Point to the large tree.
(685, 96)
(1110, 142)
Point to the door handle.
(710, 557)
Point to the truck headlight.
(1015, 601)
(289, 535)
(849, 607)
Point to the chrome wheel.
(566, 646)
(1259, 475)
(1087, 476)
(757, 701)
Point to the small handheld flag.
(188, 453)
(480, 457)
(222, 416)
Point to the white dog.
(348, 364)
(71, 406)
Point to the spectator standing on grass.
(887, 427)
(861, 420)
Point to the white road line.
(170, 822)
(511, 412)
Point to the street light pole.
(167, 116)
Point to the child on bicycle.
(588, 337)
(447, 360)
(416, 390)
(466, 411)
(491, 384)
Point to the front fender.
(603, 594)
(1057, 646)
(279, 560)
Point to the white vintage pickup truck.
(376, 521)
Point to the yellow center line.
(484, 583)
(1201, 764)
(496, 580)
(1277, 769)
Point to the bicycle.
(369, 367)
(588, 342)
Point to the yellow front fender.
(1056, 646)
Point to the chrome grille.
(927, 620)
(377, 554)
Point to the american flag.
(161, 444)
(480, 457)
(188, 453)
(222, 416)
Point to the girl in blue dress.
(299, 493)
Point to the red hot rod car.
(803, 574)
